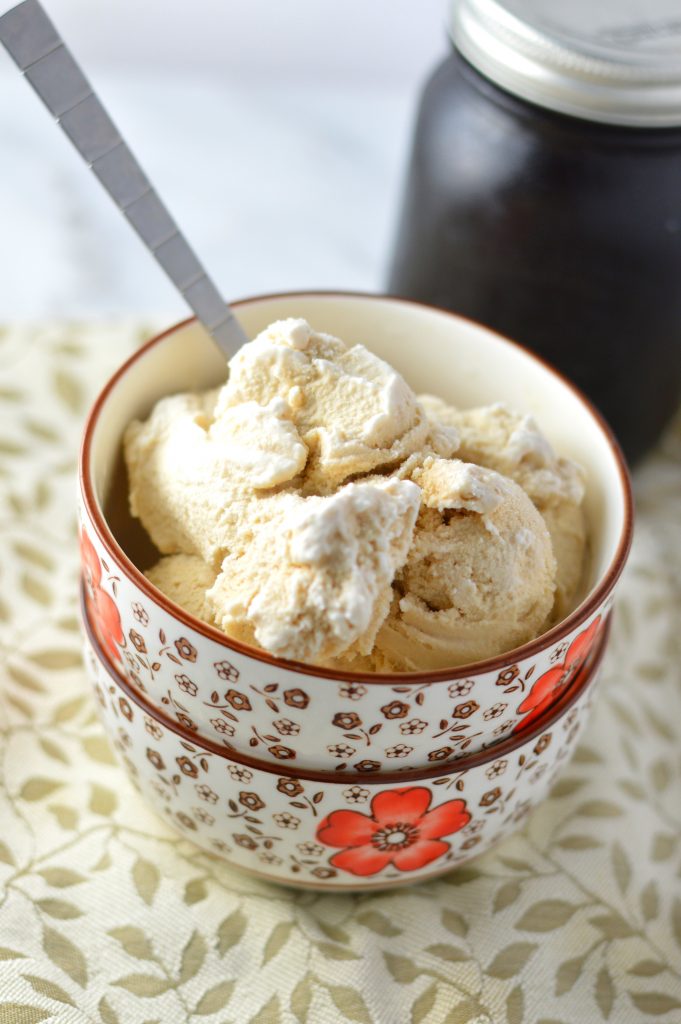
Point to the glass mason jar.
(544, 194)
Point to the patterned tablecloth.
(107, 916)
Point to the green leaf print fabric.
(108, 917)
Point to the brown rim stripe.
(556, 633)
(501, 749)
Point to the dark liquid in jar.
(560, 233)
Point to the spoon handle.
(34, 44)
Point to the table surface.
(107, 916)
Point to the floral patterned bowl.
(335, 830)
(307, 717)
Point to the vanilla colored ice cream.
(479, 576)
(315, 507)
(501, 439)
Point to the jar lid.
(603, 60)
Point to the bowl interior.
(438, 352)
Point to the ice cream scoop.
(196, 473)
(353, 411)
(480, 575)
(512, 444)
(318, 581)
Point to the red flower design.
(106, 620)
(102, 609)
(90, 559)
(400, 831)
(548, 687)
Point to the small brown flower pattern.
(507, 675)
(460, 689)
(238, 700)
(281, 752)
(251, 800)
(286, 820)
(155, 758)
(324, 873)
(187, 767)
(226, 671)
(341, 750)
(494, 712)
(296, 698)
(542, 743)
(490, 797)
(290, 787)
(137, 640)
(126, 710)
(285, 727)
(245, 842)
(399, 750)
(496, 769)
(441, 754)
(186, 684)
(139, 613)
(221, 725)
(153, 728)
(356, 795)
(368, 766)
(395, 709)
(203, 816)
(465, 710)
(353, 691)
(206, 793)
(346, 720)
(310, 849)
(186, 650)
(504, 727)
(413, 727)
(270, 858)
(240, 774)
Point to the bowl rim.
(588, 673)
(530, 649)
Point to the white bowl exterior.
(279, 713)
(275, 825)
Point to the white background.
(277, 131)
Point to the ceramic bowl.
(328, 829)
(288, 713)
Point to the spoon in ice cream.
(36, 47)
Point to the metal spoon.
(34, 44)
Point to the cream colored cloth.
(107, 916)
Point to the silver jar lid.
(614, 61)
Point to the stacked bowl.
(319, 777)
